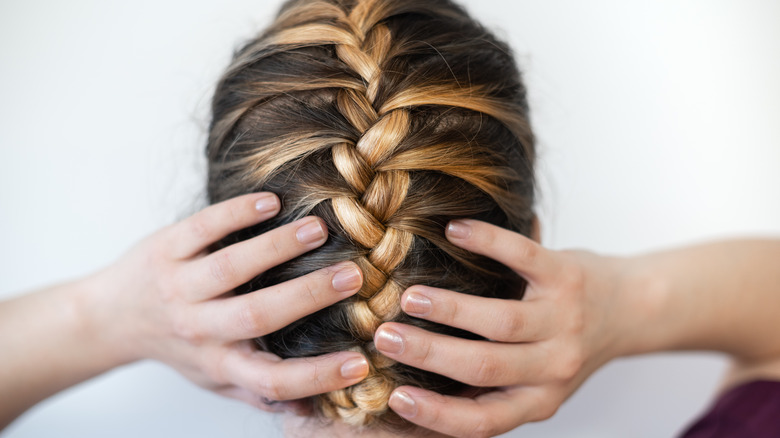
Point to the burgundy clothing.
(749, 410)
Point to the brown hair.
(387, 118)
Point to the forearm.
(48, 344)
(721, 296)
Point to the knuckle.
(277, 243)
(485, 371)
(215, 367)
(528, 251)
(319, 381)
(252, 318)
(309, 288)
(509, 325)
(184, 328)
(449, 310)
(270, 387)
(435, 417)
(426, 354)
(577, 321)
(222, 268)
(484, 427)
(235, 213)
(156, 253)
(572, 277)
(199, 229)
(163, 235)
(546, 411)
(568, 365)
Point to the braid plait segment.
(376, 196)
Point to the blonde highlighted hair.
(387, 118)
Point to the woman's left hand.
(570, 322)
(170, 299)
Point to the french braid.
(358, 156)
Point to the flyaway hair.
(386, 118)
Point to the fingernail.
(389, 341)
(347, 279)
(458, 229)
(267, 203)
(354, 368)
(310, 232)
(403, 404)
(417, 305)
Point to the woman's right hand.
(581, 310)
(571, 321)
(168, 299)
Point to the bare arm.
(47, 346)
(722, 296)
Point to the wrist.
(100, 320)
(641, 295)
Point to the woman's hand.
(543, 348)
(168, 300)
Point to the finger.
(487, 415)
(268, 376)
(492, 318)
(514, 250)
(476, 363)
(265, 311)
(192, 235)
(233, 266)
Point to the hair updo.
(386, 118)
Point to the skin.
(580, 311)
(168, 299)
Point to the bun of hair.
(387, 118)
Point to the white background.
(657, 124)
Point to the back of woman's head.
(386, 118)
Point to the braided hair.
(386, 118)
